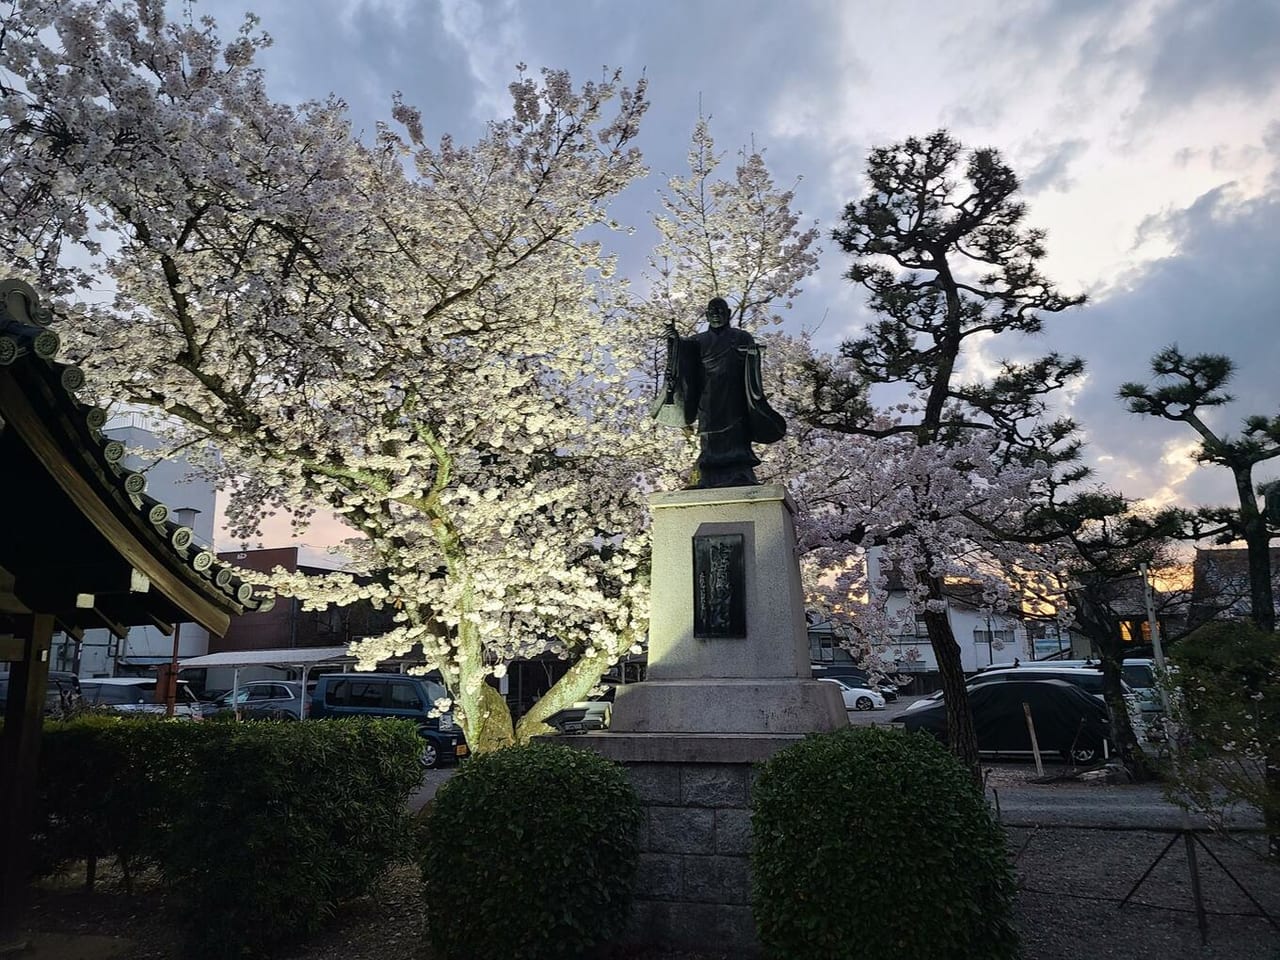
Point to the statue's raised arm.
(677, 401)
(714, 377)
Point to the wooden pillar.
(19, 757)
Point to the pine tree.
(1190, 384)
(939, 244)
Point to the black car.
(1067, 720)
(393, 695)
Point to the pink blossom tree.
(414, 336)
(417, 337)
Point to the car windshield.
(1138, 675)
(111, 693)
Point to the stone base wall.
(693, 891)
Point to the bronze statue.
(714, 377)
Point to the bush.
(284, 820)
(94, 799)
(259, 828)
(1227, 699)
(529, 852)
(875, 843)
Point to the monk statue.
(714, 377)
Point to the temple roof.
(83, 540)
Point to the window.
(1088, 680)
(992, 636)
(263, 691)
(366, 693)
(338, 694)
(819, 648)
(1138, 675)
(119, 693)
(404, 696)
(922, 628)
(1135, 631)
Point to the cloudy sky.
(1146, 133)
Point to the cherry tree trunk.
(961, 736)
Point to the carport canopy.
(304, 658)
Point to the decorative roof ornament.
(25, 339)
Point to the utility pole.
(1189, 838)
(1157, 647)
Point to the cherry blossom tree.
(415, 336)
(733, 238)
(927, 512)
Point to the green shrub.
(1227, 699)
(529, 853)
(875, 843)
(260, 829)
(281, 821)
(94, 799)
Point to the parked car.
(854, 677)
(263, 700)
(1067, 720)
(856, 698)
(393, 695)
(61, 694)
(137, 695)
(594, 713)
(1137, 672)
(1140, 674)
(1087, 679)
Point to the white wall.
(914, 653)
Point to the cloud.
(1178, 53)
(1199, 48)
(1051, 173)
(1219, 292)
(491, 39)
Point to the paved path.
(1098, 805)
(431, 782)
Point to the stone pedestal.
(709, 709)
(756, 684)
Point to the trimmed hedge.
(529, 853)
(260, 829)
(95, 799)
(875, 843)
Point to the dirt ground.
(1070, 883)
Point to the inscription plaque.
(719, 586)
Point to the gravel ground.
(1059, 869)
(1070, 880)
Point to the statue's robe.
(717, 382)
